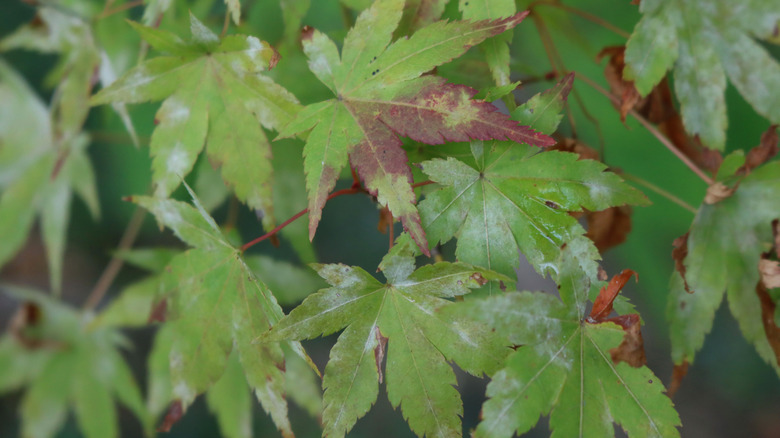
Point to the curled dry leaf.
(770, 273)
(610, 227)
(602, 307)
(718, 192)
(175, 412)
(766, 149)
(657, 107)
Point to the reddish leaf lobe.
(602, 307)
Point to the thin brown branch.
(420, 184)
(653, 130)
(226, 24)
(349, 191)
(121, 8)
(115, 265)
(586, 15)
(657, 190)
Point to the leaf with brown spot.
(381, 93)
(718, 192)
(632, 349)
(174, 414)
(679, 253)
(768, 308)
(725, 244)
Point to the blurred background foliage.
(729, 391)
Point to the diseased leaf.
(381, 94)
(399, 323)
(705, 41)
(216, 306)
(214, 97)
(724, 248)
(568, 366)
(65, 366)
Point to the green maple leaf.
(496, 49)
(564, 366)
(507, 197)
(216, 305)
(706, 41)
(43, 161)
(381, 94)
(63, 364)
(724, 247)
(215, 97)
(399, 320)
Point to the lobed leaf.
(705, 42)
(400, 321)
(380, 94)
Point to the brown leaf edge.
(175, 413)
(679, 253)
(770, 278)
(678, 373)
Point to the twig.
(121, 8)
(420, 184)
(653, 130)
(226, 24)
(349, 191)
(113, 267)
(586, 15)
(654, 188)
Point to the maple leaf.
(496, 48)
(507, 198)
(215, 97)
(705, 41)
(569, 364)
(724, 248)
(63, 364)
(380, 94)
(216, 305)
(399, 321)
(40, 168)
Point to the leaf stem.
(659, 191)
(424, 183)
(586, 15)
(121, 8)
(349, 191)
(653, 130)
(226, 24)
(115, 265)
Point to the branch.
(349, 191)
(653, 130)
(113, 267)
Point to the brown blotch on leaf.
(610, 227)
(379, 352)
(307, 33)
(159, 312)
(718, 192)
(679, 253)
(479, 278)
(632, 349)
(767, 148)
(175, 412)
(678, 373)
(275, 58)
(501, 286)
